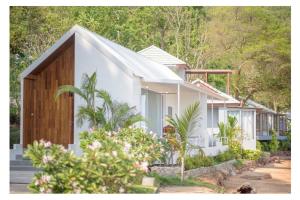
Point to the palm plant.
(185, 126)
(230, 130)
(222, 132)
(233, 129)
(87, 92)
(111, 115)
(120, 115)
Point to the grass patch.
(140, 189)
(175, 181)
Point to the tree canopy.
(255, 41)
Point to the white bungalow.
(153, 88)
(219, 110)
(268, 120)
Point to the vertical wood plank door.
(44, 117)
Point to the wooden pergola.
(206, 72)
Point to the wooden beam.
(209, 71)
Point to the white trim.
(48, 52)
(110, 49)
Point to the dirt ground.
(259, 178)
(185, 189)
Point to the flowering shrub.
(251, 154)
(235, 148)
(110, 162)
(143, 146)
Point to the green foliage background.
(256, 41)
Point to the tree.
(184, 126)
(255, 41)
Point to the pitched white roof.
(253, 104)
(161, 56)
(229, 99)
(135, 64)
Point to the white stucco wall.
(110, 77)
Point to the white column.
(178, 99)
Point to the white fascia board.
(108, 52)
(78, 32)
(166, 81)
(47, 53)
(203, 90)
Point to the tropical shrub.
(108, 164)
(274, 144)
(265, 146)
(198, 160)
(235, 148)
(285, 145)
(224, 156)
(259, 146)
(251, 154)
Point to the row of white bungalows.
(153, 88)
(215, 111)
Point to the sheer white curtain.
(248, 125)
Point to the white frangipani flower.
(127, 147)
(47, 159)
(45, 178)
(121, 190)
(144, 166)
(47, 144)
(114, 153)
(95, 145)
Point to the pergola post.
(228, 84)
(178, 99)
(206, 77)
(212, 120)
